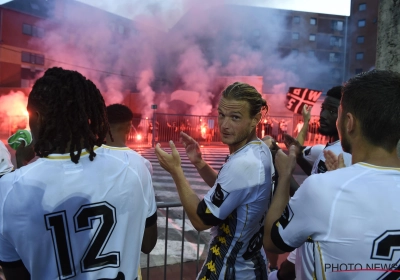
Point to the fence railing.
(167, 206)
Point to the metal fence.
(204, 129)
(167, 206)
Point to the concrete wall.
(388, 45)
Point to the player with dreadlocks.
(58, 215)
(75, 119)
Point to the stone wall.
(388, 45)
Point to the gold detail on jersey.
(320, 259)
(225, 229)
(222, 240)
(208, 211)
(67, 156)
(277, 224)
(215, 250)
(204, 278)
(211, 267)
(378, 167)
(115, 148)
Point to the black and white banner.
(298, 97)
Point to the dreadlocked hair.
(73, 113)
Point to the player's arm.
(190, 200)
(301, 161)
(193, 152)
(285, 166)
(150, 234)
(15, 271)
(306, 112)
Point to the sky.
(170, 11)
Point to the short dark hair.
(374, 99)
(118, 113)
(246, 92)
(74, 112)
(335, 92)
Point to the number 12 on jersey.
(93, 258)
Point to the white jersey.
(5, 160)
(311, 153)
(236, 205)
(336, 147)
(353, 221)
(304, 262)
(82, 221)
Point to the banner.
(298, 97)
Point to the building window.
(295, 52)
(32, 30)
(296, 19)
(311, 53)
(361, 23)
(360, 39)
(313, 21)
(32, 58)
(311, 37)
(362, 7)
(358, 71)
(295, 36)
(337, 25)
(360, 56)
(121, 29)
(27, 29)
(336, 41)
(334, 57)
(37, 32)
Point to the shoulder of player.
(246, 160)
(120, 153)
(335, 178)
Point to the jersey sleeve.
(150, 196)
(311, 153)
(232, 188)
(304, 216)
(8, 253)
(5, 160)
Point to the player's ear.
(256, 120)
(351, 123)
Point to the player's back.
(82, 220)
(361, 226)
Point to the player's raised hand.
(285, 164)
(192, 148)
(170, 162)
(306, 113)
(333, 161)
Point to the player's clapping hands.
(170, 162)
(332, 161)
(192, 149)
